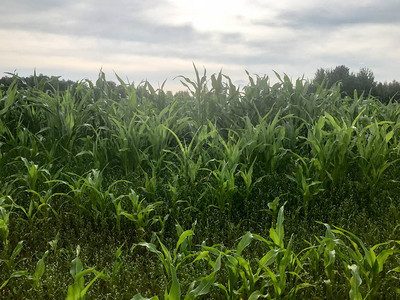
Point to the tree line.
(362, 82)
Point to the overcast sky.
(159, 39)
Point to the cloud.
(160, 39)
(327, 15)
(116, 20)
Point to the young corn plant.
(270, 279)
(367, 264)
(150, 183)
(101, 200)
(113, 276)
(35, 174)
(4, 222)
(11, 272)
(39, 207)
(78, 290)
(343, 144)
(171, 261)
(189, 162)
(76, 190)
(332, 142)
(224, 187)
(188, 165)
(96, 145)
(130, 142)
(249, 183)
(375, 153)
(63, 115)
(159, 128)
(141, 213)
(198, 89)
(306, 186)
(271, 138)
(363, 267)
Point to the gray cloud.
(116, 20)
(330, 14)
(291, 36)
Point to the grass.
(225, 193)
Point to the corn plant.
(100, 200)
(8, 99)
(96, 148)
(198, 90)
(39, 206)
(271, 138)
(159, 128)
(363, 267)
(78, 290)
(264, 282)
(171, 262)
(307, 187)
(129, 142)
(331, 150)
(225, 186)
(374, 153)
(188, 162)
(140, 213)
(368, 263)
(63, 115)
(247, 176)
(34, 175)
(188, 165)
(113, 275)
(76, 186)
(4, 223)
(10, 264)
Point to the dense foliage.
(114, 193)
(362, 82)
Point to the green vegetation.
(284, 191)
(362, 82)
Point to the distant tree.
(41, 81)
(365, 80)
(340, 74)
(387, 91)
(6, 81)
(320, 76)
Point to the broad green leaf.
(16, 250)
(244, 242)
(269, 258)
(74, 292)
(355, 283)
(389, 136)
(202, 255)
(182, 238)
(205, 285)
(255, 295)
(15, 274)
(76, 266)
(39, 270)
(84, 291)
(175, 291)
(382, 257)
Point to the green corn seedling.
(78, 290)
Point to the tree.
(365, 80)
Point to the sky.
(158, 40)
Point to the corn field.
(270, 191)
